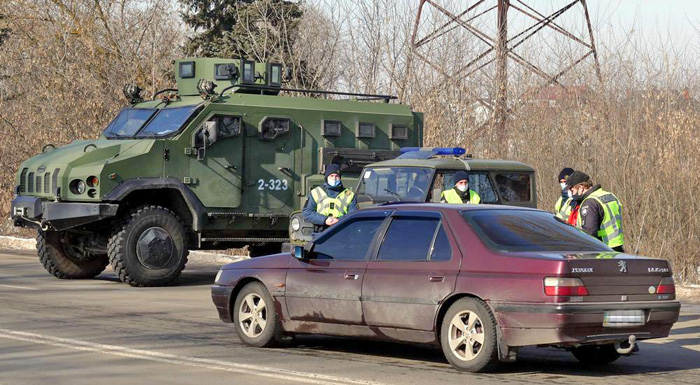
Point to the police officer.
(563, 206)
(327, 203)
(600, 213)
(460, 193)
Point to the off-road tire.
(61, 264)
(596, 355)
(487, 357)
(123, 243)
(272, 334)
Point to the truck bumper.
(579, 324)
(36, 212)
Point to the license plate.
(623, 318)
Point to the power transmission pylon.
(500, 48)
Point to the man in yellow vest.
(461, 193)
(600, 213)
(562, 208)
(327, 203)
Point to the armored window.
(274, 74)
(23, 181)
(399, 131)
(30, 182)
(186, 69)
(248, 69)
(270, 128)
(229, 125)
(365, 130)
(331, 128)
(225, 71)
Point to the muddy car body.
(413, 272)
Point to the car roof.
(401, 206)
(453, 163)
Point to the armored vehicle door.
(270, 163)
(216, 166)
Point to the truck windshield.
(166, 121)
(529, 230)
(388, 184)
(128, 122)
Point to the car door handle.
(351, 276)
(436, 278)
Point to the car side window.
(441, 250)
(408, 239)
(478, 182)
(350, 243)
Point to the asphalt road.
(102, 331)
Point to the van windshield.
(529, 230)
(391, 184)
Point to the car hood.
(275, 261)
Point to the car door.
(414, 270)
(327, 286)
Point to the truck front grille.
(54, 180)
(38, 183)
(47, 185)
(23, 180)
(30, 182)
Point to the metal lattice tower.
(500, 48)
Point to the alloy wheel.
(466, 335)
(252, 315)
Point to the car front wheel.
(468, 336)
(255, 317)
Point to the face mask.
(462, 187)
(334, 182)
(563, 185)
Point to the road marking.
(19, 287)
(121, 351)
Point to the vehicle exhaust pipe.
(626, 347)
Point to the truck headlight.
(296, 224)
(77, 186)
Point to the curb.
(196, 256)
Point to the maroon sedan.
(480, 281)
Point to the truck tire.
(63, 261)
(149, 247)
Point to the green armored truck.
(422, 174)
(221, 161)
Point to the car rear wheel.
(255, 317)
(61, 256)
(596, 355)
(468, 336)
(149, 247)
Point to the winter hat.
(332, 169)
(576, 178)
(565, 173)
(460, 175)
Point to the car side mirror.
(301, 253)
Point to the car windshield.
(388, 184)
(167, 121)
(525, 230)
(128, 122)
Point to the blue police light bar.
(436, 150)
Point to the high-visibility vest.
(451, 196)
(610, 231)
(563, 211)
(332, 207)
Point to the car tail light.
(564, 287)
(666, 286)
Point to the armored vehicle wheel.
(63, 259)
(468, 336)
(255, 317)
(149, 247)
(596, 355)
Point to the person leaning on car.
(600, 212)
(327, 203)
(563, 206)
(460, 193)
